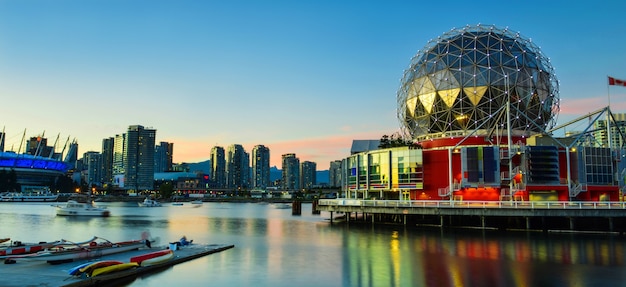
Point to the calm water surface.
(274, 248)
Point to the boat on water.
(282, 205)
(148, 202)
(30, 194)
(197, 201)
(69, 251)
(75, 208)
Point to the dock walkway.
(534, 215)
(39, 273)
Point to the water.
(274, 248)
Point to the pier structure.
(504, 215)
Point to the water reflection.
(399, 257)
(274, 248)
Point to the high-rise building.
(237, 167)
(38, 146)
(260, 166)
(108, 145)
(92, 164)
(133, 159)
(163, 156)
(334, 174)
(618, 128)
(218, 166)
(291, 171)
(140, 158)
(119, 152)
(308, 172)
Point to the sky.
(305, 77)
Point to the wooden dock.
(40, 273)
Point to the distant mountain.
(203, 166)
(275, 173)
(322, 176)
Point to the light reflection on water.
(274, 248)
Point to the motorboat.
(30, 194)
(148, 202)
(69, 251)
(75, 208)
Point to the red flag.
(616, 82)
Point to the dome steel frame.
(458, 83)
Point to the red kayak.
(165, 254)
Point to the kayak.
(169, 254)
(95, 265)
(139, 259)
(76, 269)
(113, 268)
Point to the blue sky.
(303, 77)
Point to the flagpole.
(608, 93)
(608, 111)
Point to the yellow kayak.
(88, 269)
(113, 268)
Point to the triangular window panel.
(444, 80)
(475, 93)
(449, 96)
(427, 86)
(410, 105)
(428, 99)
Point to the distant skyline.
(303, 77)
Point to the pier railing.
(475, 204)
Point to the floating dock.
(40, 273)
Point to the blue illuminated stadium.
(33, 170)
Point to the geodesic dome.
(460, 82)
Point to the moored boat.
(69, 251)
(282, 205)
(74, 208)
(148, 202)
(30, 194)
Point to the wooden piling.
(296, 207)
(314, 209)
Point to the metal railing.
(474, 204)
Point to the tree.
(395, 140)
(8, 181)
(166, 190)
